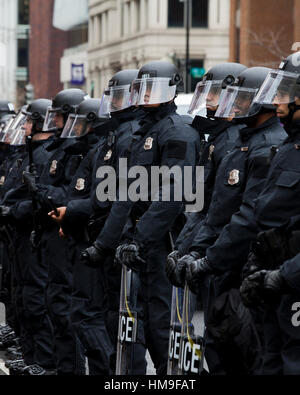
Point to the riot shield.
(192, 346)
(175, 330)
(127, 334)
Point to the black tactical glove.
(175, 271)
(130, 256)
(251, 289)
(196, 269)
(253, 265)
(263, 287)
(30, 179)
(94, 256)
(274, 286)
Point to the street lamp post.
(187, 17)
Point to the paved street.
(4, 371)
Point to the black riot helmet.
(6, 108)
(85, 120)
(65, 103)
(117, 95)
(237, 101)
(157, 83)
(282, 86)
(36, 113)
(208, 90)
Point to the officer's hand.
(94, 256)
(252, 289)
(30, 179)
(274, 286)
(130, 256)
(62, 235)
(175, 271)
(61, 215)
(196, 269)
(253, 265)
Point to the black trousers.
(36, 329)
(87, 313)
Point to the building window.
(22, 53)
(175, 13)
(23, 12)
(199, 13)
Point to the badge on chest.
(148, 144)
(53, 167)
(80, 185)
(234, 177)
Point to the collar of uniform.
(103, 128)
(151, 118)
(56, 142)
(36, 144)
(79, 147)
(247, 133)
(126, 115)
(293, 130)
(213, 127)
(158, 113)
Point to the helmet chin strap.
(211, 113)
(293, 108)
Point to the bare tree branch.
(269, 41)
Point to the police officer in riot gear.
(222, 243)
(123, 123)
(222, 135)
(277, 202)
(7, 111)
(31, 277)
(163, 139)
(65, 157)
(87, 313)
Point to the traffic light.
(29, 93)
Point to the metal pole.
(187, 57)
(28, 56)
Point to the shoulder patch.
(176, 149)
(261, 166)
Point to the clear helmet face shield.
(50, 123)
(76, 126)
(280, 87)
(118, 98)
(15, 133)
(237, 102)
(206, 96)
(104, 107)
(149, 91)
(5, 128)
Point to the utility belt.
(275, 246)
